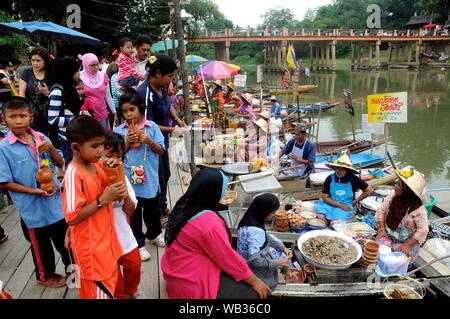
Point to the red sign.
(296, 76)
(286, 78)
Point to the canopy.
(216, 70)
(195, 58)
(49, 30)
(432, 25)
(159, 46)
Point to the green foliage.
(206, 15)
(277, 18)
(11, 45)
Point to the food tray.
(267, 183)
(345, 227)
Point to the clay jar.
(281, 220)
(134, 127)
(44, 177)
(116, 174)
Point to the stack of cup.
(281, 220)
(370, 256)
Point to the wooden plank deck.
(17, 268)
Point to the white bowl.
(325, 232)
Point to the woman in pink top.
(97, 89)
(402, 218)
(199, 262)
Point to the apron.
(298, 152)
(398, 238)
(341, 193)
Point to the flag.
(13, 90)
(290, 57)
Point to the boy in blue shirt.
(41, 213)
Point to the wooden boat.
(359, 159)
(313, 107)
(328, 148)
(299, 89)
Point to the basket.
(228, 198)
(389, 289)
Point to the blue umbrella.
(49, 30)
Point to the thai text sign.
(259, 73)
(388, 107)
(240, 80)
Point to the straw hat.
(218, 83)
(415, 180)
(273, 98)
(343, 161)
(247, 98)
(265, 114)
(231, 85)
(262, 124)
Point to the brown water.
(424, 142)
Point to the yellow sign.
(388, 108)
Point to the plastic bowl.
(326, 232)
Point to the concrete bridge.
(402, 44)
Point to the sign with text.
(307, 72)
(388, 107)
(259, 73)
(296, 76)
(240, 80)
(286, 78)
(372, 128)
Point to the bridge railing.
(254, 32)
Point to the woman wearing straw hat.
(402, 218)
(229, 93)
(338, 192)
(217, 93)
(246, 108)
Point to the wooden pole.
(187, 106)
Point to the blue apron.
(341, 193)
(298, 152)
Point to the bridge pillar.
(377, 54)
(327, 50)
(322, 57)
(333, 56)
(353, 56)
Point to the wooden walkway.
(17, 268)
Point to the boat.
(359, 159)
(312, 107)
(328, 148)
(299, 89)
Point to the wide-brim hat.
(265, 114)
(246, 98)
(262, 124)
(231, 85)
(415, 180)
(273, 98)
(343, 161)
(218, 83)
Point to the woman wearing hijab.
(96, 87)
(64, 102)
(199, 261)
(264, 253)
(402, 218)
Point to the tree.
(277, 18)
(11, 45)
(205, 15)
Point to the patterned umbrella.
(195, 58)
(216, 70)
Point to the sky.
(248, 12)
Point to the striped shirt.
(115, 92)
(127, 67)
(54, 116)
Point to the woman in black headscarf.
(264, 253)
(199, 261)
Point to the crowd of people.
(81, 118)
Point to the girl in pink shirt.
(198, 261)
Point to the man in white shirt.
(143, 44)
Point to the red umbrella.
(430, 25)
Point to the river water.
(424, 142)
